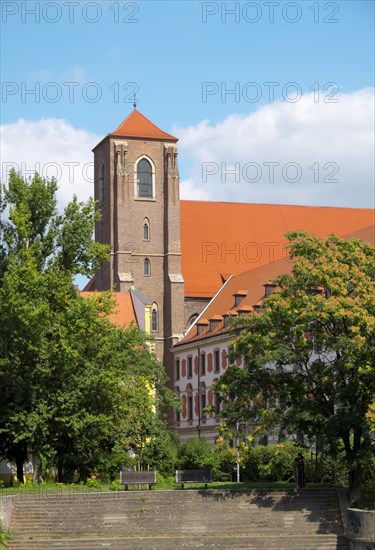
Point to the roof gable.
(223, 304)
(123, 312)
(137, 125)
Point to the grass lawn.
(165, 484)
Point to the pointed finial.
(135, 101)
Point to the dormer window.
(239, 296)
(228, 315)
(243, 311)
(215, 322)
(201, 326)
(269, 288)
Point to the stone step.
(170, 515)
(310, 494)
(296, 542)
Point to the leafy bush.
(93, 481)
(115, 485)
(196, 454)
(227, 459)
(4, 536)
(270, 462)
(163, 482)
(161, 453)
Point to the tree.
(38, 258)
(309, 354)
(72, 383)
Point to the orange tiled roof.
(123, 312)
(366, 234)
(211, 245)
(253, 280)
(138, 126)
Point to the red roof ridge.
(138, 125)
(278, 205)
(361, 230)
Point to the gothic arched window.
(146, 229)
(146, 267)
(191, 320)
(144, 178)
(154, 318)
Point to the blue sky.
(183, 58)
(170, 52)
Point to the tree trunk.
(355, 474)
(355, 489)
(59, 473)
(37, 469)
(19, 458)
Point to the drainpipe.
(199, 393)
(237, 454)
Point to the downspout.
(199, 393)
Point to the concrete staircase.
(252, 519)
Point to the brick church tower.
(137, 189)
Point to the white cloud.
(53, 147)
(324, 136)
(305, 133)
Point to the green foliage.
(4, 536)
(227, 458)
(161, 453)
(93, 481)
(77, 391)
(116, 485)
(165, 482)
(309, 355)
(196, 454)
(270, 462)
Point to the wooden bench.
(137, 478)
(193, 476)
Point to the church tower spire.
(137, 188)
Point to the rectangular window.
(203, 404)
(177, 416)
(190, 367)
(217, 360)
(217, 405)
(203, 363)
(177, 369)
(190, 407)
